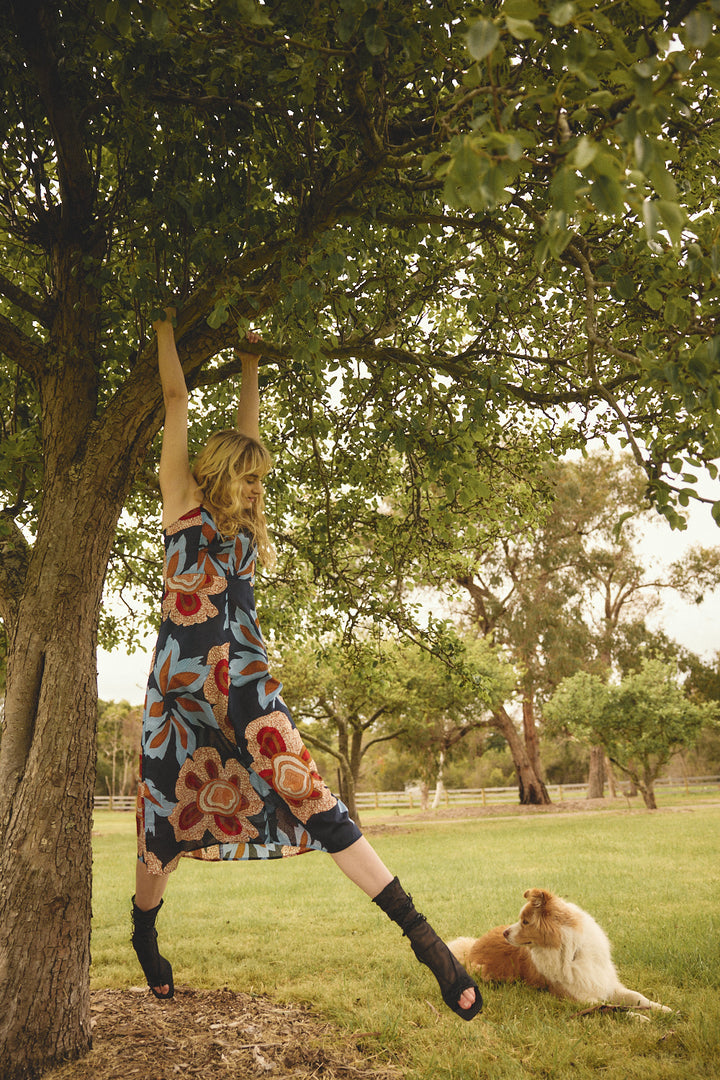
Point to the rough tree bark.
(531, 789)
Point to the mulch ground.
(214, 1035)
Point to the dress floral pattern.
(225, 774)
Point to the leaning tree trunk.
(530, 733)
(47, 754)
(531, 789)
(47, 771)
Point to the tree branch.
(14, 561)
(39, 309)
(21, 349)
(34, 21)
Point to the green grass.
(298, 931)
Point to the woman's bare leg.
(149, 888)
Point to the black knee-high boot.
(156, 968)
(429, 948)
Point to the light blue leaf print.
(249, 663)
(175, 703)
(156, 805)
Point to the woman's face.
(251, 490)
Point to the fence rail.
(411, 799)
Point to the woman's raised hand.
(253, 339)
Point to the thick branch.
(21, 349)
(14, 562)
(39, 309)
(34, 21)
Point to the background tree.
(384, 192)
(447, 704)
(345, 701)
(640, 723)
(558, 592)
(118, 737)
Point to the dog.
(553, 946)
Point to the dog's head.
(542, 920)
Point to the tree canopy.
(466, 234)
(641, 722)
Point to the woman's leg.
(149, 888)
(147, 901)
(361, 863)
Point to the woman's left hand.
(253, 339)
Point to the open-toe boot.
(156, 968)
(430, 950)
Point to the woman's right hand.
(169, 320)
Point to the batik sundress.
(224, 772)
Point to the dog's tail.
(460, 948)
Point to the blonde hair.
(219, 469)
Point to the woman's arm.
(177, 483)
(248, 410)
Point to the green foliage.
(276, 164)
(351, 699)
(640, 723)
(470, 239)
(118, 738)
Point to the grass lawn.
(298, 931)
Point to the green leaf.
(673, 217)
(561, 14)
(375, 40)
(699, 28)
(653, 299)
(521, 9)
(520, 28)
(584, 152)
(481, 38)
(625, 287)
(159, 24)
(607, 195)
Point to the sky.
(122, 676)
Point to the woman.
(225, 774)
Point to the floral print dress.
(224, 772)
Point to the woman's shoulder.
(190, 518)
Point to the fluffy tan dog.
(553, 946)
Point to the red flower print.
(283, 761)
(215, 799)
(187, 597)
(216, 688)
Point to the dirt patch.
(510, 810)
(217, 1034)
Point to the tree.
(280, 165)
(339, 697)
(118, 737)
(557, 594)
(447, 703)
(640, 723)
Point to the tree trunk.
(530, 732)
(345, 771)
(596, 773)
(610, 777)
(439, 784)
(531, 789)
(47, 776)
(47, 755)
(648, 794)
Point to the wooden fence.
(411, 798)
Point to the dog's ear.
(537, 897)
